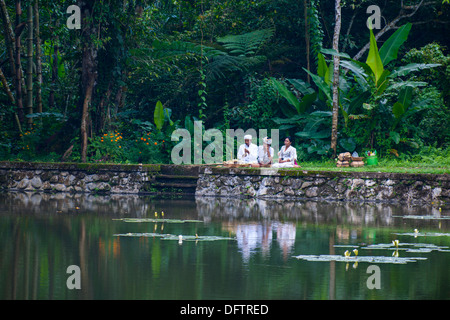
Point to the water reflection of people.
(250, 237)
(286, 233)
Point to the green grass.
(383, 166)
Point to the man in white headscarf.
(248, 152)
(265, 153)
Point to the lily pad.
(173, 236)
(345, 246)
(424, 234)
(139, 220)
(424, 217)
(417, 247)
(368, 259)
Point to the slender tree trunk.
(307, 40)
(9, 36)
(6, 87)
(51, 98)
(30, 65)
(18, 66)
(38, 58)
(337, 30)
(89, 71)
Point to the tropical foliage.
(141, 69)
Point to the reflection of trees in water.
(320, 212)
(113, 205)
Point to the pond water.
(230, 249)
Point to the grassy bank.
(383, 166)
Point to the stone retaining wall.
(74, 177)
(228, 182)
(297, 184)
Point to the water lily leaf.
(424, 217)
(139, 220)
(359, 259)
(173, 236)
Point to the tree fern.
(247, 44)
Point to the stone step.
(176, 179)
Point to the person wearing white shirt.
(248, 152)
(265, 153)
(287, 156)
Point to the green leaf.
(335, 53)
(398, 110)
(314, 134)
(413, 84)
(394, 136)
(357, 70)
(307, 102)
(373, 59)
(405, 96)
(358, 101)
(383, 81)
(320, 84)
(322, 67)
(389, 50)
(287, 94)
(348, 144)
(402, 71)
(158, 116)
(300, 85)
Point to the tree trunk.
(6, 87)
(30, 65)
(38, 58)
(307, 40)
(51, 97)
(89, 70)
(18, 66)
(337, 30)
(9, 36)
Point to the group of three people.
(262, 156)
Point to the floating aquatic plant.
(173, 236)
(369, 259)
(345, 246)
(156, 220)
(417, 247)
(424, 234)
(424, 217)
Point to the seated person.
(248, 152)
(265, 153)
(287, 157)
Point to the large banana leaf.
(402, 71)
(389, 50)
(320, 84)
(288, 95)
(158, 115)
(398, 109)
(358, 101)
(307, 102)
(322, 67)
(357, 71)
(303, 87)
(405, 96)
(374, 59)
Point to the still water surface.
(42, 234)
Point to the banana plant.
(374, 78)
